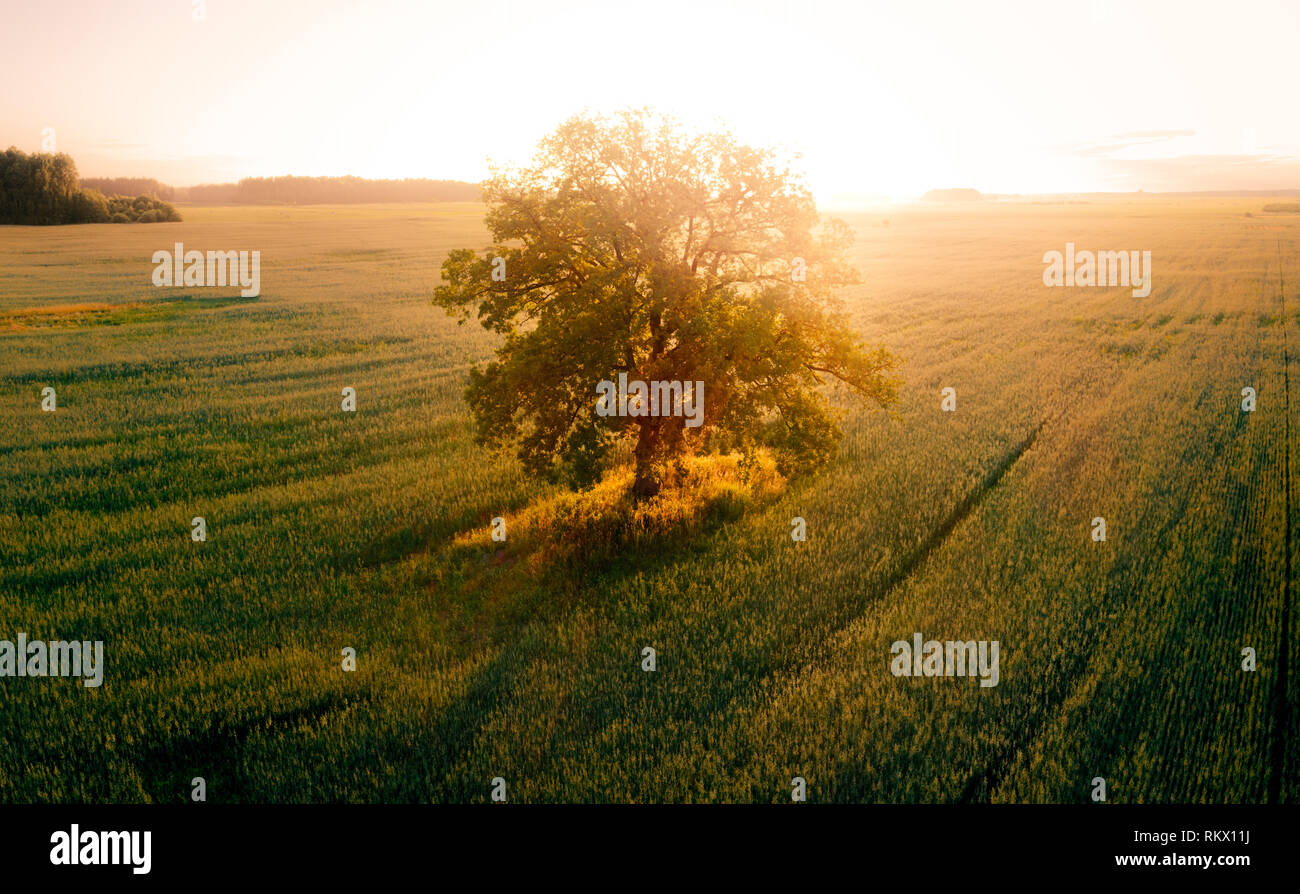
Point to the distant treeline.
(328, 190)
(1283, 206)
(43, 188)
(130, 186)
(289, 190)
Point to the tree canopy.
(631, 245)
(43, 188)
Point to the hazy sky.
(879, 97)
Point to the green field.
(476, 660)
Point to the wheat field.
(329, 530)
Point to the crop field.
(329, 530)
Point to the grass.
(477, 658)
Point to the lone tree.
(631, 246)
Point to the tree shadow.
(555, 550)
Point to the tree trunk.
(647, 442)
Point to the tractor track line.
(1281, 707)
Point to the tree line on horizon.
(130, 186)
(43, 188)
(292, 190)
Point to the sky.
(876, 98)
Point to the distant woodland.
(130, 186)
(43, 188)
(328, 190)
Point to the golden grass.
(607, 518)
(22, 319)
